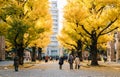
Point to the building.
(53, 48)
(117, 46)
(113, 49)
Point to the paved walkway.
(5, 63)
(51, 69)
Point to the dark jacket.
(61, 61)
(70, 59)
(16, 61)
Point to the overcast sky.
(61, 3)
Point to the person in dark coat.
(70, 60)
(61, 61)
(16, 63)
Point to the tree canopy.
(25, 21)
(94, 20)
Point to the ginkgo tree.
(94, 19)
(73, 42)
(25, 20)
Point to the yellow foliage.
(34, 15)
(8, 46)
(76, 13)
(66, 43)
(85, 16)
(42, 41)
(105, 38)
(39, 14)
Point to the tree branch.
(100, 11)
(107, 27)
(80, 33)
(15, 39)
(85, 30)
(109, 31)
(27, 42)
(70, 44)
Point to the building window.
(54, 20)
(54, 11)
(55, 29)
(54, 53)
(54, 16)
(54, 5)
(52, 38)
(55, 24)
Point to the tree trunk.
(94, 61)
(20, 53)
(21, 60)
(79, 53)
(79, 49)
(94, 39)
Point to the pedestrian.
(27, 55)
(46, 58)
(61, 61)
(104, 58)
(16, 63)
(89, 58)
(77, 62)
(70, 60)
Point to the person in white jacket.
(77, 62)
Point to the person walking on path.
(46, 58)
(70, 60)
(61, 61)
(104, 58)
(27, 55)
(77, 62)
(16, 63)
